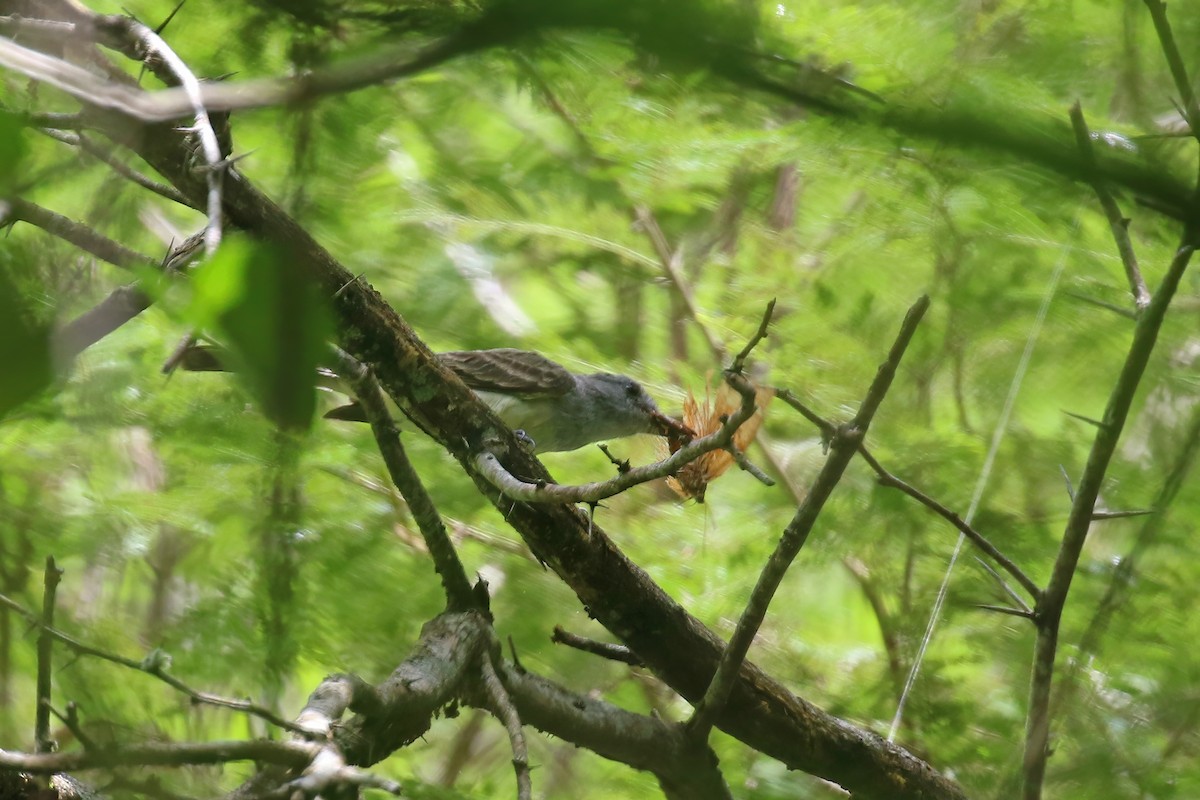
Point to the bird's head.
(623, 399)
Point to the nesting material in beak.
(677, 433)
(704, 418)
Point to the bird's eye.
(632, 389)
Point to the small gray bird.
(555, 408)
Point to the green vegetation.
(623, 188)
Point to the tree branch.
(45, 657)
(1117, 223)
(892, 481)
(105, 155)
(150, 666)
(446, 563)
(75, 233)
(686, 769)
(1048, 613)
(501, 706)
(1183, 84)
(290, 754)
(845, 444)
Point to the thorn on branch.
(1067, 480)
(1093, 422)
(1012, 612)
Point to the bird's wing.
(509, 371)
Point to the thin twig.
(1100, 516)
(1117, 223)
(1089, 420)
(45, 657)
(209, 144)
(671, 263)
(613, 652)
(502, 706)
(890, 480)
(1012, 612)
(979, 540)
(154, 668)
(104, 154)
(71, 721)
(739, 361)
(1053, 600)
(749, 466)
(1183, 84)
(289, 754)
(1113, 307)
(457, 586)
(622, 464)
(1003, 584)
(842, 449)
(77, 234)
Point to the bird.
(552, 408)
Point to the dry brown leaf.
(704, 418)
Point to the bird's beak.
(673, 429)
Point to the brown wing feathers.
(510, 371)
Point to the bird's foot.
(525, 439)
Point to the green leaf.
(274, 322)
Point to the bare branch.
(979, 540)
(291, 754)
(502, 706)
(1050, 605)
(71, 721)
(1117, 223)
(85, 143)
(152, 667)
(1012, 612)
(76, 233)
(739, 361)
(171, 103)
(209, 144)
(845, 444)
(686, 769)
(749, 466)
(1003, 584)
(1100, 516)
(45, 657)
(890, 480)
(120, 306)
(457, 586)
(1183, 84)
(1116, 309)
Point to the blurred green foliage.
(493, 202)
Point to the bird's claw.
(525, 439)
